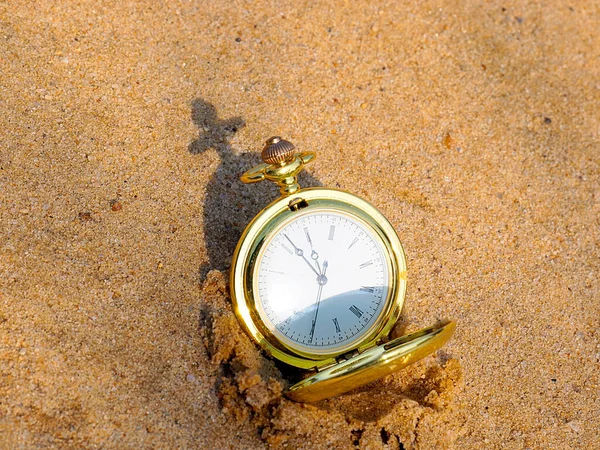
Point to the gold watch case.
(346, 368)
(243, 275)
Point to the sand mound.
(406, 410)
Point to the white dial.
(322, 281)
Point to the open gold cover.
(372, 364)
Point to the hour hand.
(300, 252)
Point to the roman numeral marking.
(353, 242)
(365, 264)
(369, 289)
(331, 232)
(291, 252)
(291, 318)
(337, 325)
(307, 236)
(357, 312)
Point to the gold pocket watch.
(318, 281)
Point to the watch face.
(322, 281)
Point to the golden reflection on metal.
(343, 370)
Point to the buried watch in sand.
(318, 281)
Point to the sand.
(124, 126)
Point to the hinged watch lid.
(372, 364)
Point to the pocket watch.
(318, 281)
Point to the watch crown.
(277, 151)
(281, 164)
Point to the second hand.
(322, 280)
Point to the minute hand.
(300, 253)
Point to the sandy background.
(474, 127)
